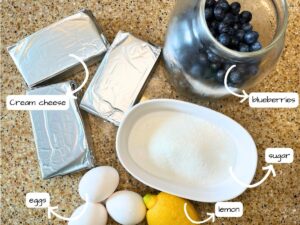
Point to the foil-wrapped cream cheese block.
(120, 77)
(60, 138)
(45, 54)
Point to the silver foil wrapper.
(60, 137)
(45, 54)
(120, 77)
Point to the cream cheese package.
(60, 138)
(120, 77)
(45, 54)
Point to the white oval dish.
(245, 163)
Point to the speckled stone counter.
(275, 202)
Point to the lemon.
(166, 209)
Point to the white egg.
(89, 214)
(126, 207)
(98, 184)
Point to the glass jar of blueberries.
(206, 37)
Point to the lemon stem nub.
(150, 200)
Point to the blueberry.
(242, 68)
(235, 77)
(193, 67)
(212, 57)
(195, 70)
(223, 28)
(236, 26)
(210, 3)
(251, 37)
(234, 42)
(247, 27)
(203, 59)
(231, 31)
(224, 5)
(219, 13)
(255, 47)
(240, 34)
(208, 74)
(235, 8)
(230, 84)
(253, 69)
(229, 18)
(209, 14)
(227, 66)
(244, 48)
(220, 75)
(214, 25)
(245, 17)
(236, 18)
(224, 39)
(215, 66)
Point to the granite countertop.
(276, 202)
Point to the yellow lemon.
(166, 209)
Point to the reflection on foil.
(45, 54)
(60, 137)
(120, 77)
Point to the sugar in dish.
(186, 150)
(176, 145)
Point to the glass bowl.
(197, 62)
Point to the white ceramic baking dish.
(245, 163)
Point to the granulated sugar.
(182, 147)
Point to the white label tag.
(37, 200)
(37, 102)
(229, 209)
(273, 100)
(279, 155)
